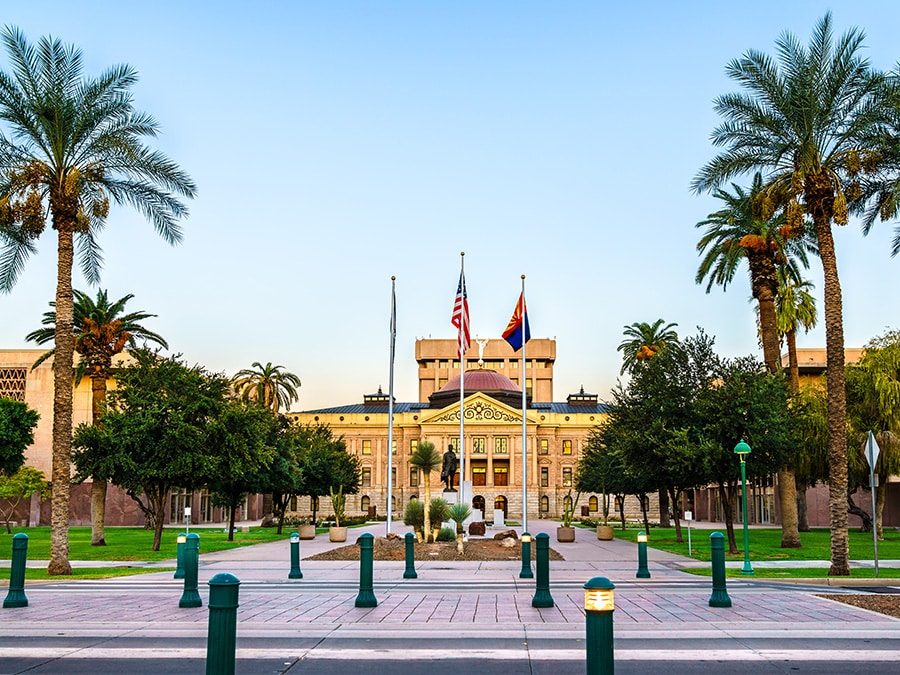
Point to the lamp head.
(742, 448)
(642, 537)
(526, 538)
(599, 596)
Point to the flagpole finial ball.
(523, 276)
(462, 252)
(393, 278)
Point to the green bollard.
(16, 595)
(542, 597)
(599, 605)
(179, 564)
(366, 597)
(526, 572)
(719, 597)
(191, 597)
(295, 572)
(643, 572)
(410, 572)
(220, 640)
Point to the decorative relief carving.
(478, 411)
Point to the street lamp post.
(742, 450)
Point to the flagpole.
(390, 482)
(524, 428)
(462, 378)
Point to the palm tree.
(74, 144)
(794, 308)
(426, 459)
(812, 121)
(269, 385)
(739, 232)
(101, 332)
(643, 341)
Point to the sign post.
(872, 451)
(689, 516)
(187, 519)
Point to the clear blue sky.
(336, 144)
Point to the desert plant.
(439, 511)
(458, 514)
(338, 504)
(414, 517)
(569, 505)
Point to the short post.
(410, 572)
(599, 605)
(542, 597)
(295, 572)
(719, 597)
(191, 597)
(16, 595)
(179, 563)
(221, 634)
(366, 596)
(642, 572)
(526, 572)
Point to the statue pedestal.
(450, 497)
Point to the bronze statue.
(448, 469)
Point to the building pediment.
(479, 409)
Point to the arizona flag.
(517, 331)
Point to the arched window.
(592, 504)
(364, 504)
(393, 503)
(567, 502)
(545, 504)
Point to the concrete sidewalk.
(486, 604)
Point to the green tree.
(156, 433)
(795, 308)
(283, 479)
(272, 386)
(242, 439)
(73, 144)
(17, 423)
(325, 464)
(602, 470)
(873, 404)
(736, 233)
(426, 458)
(18, 486)
(102, 331)
(814, 121)
(643, 341)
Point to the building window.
(592, 505)
(393, 447)
(394, 476)
(501, 476)
(313, 503)
(293, 504)
(454, 443)
(479, 475)
(545, 504)
(413, 444)
(567, 476)
(567, 503)
(478, 445)
(367, 447)
(413, 477)
(12, 383)
(567, 447)
(545, 476)
(545, 447)
(364, 504)
(367, 476)
(501, 445)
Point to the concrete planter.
(337, 534)
(605, 532)
(565, 534)
(306, 531)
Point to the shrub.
(446, 534)
(439, 512)
(414, 515)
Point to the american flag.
(460, 316)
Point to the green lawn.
(801, 573)
(765, 543)
(133, 543)
(40, 573)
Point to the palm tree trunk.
(790, 519)
(819, 196)
(62, 404)
(802, 510)
(793, 363)
(98, 486)
(426, 522)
